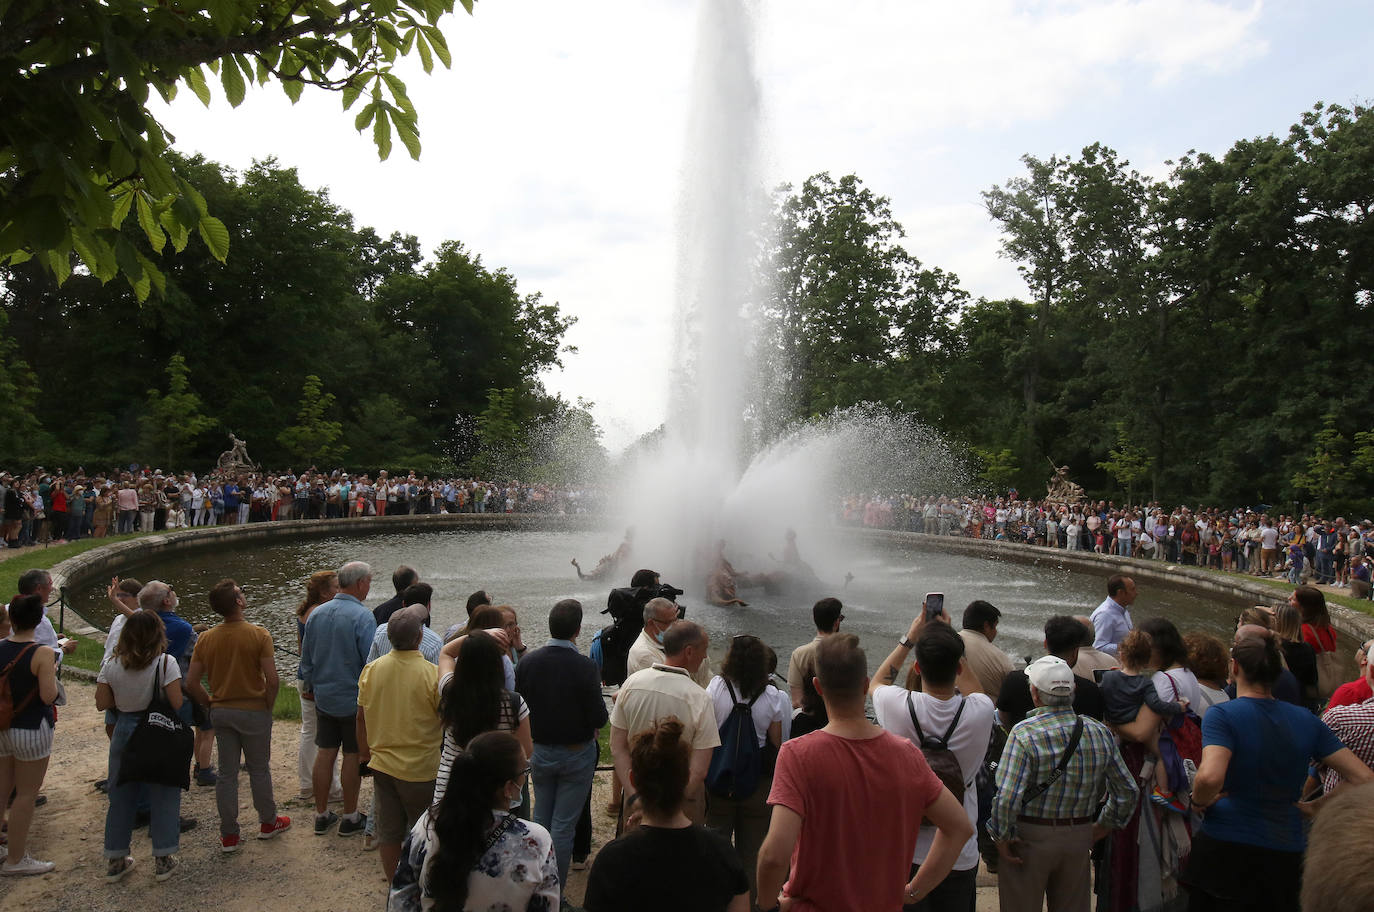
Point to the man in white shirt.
(963, 724)
(1269, 547)
(659, 615)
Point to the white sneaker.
(26, 866)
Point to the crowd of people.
(1154, 769)
(42, 507)
(1301, 547)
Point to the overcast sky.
(553, 148)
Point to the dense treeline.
(315, 341)
(1207, 336)
(1204, 337)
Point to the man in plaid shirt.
(1353, 723)
(1045, 824)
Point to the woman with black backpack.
(741, 774)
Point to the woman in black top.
(27, 743)
(1300, 658)
(628, 874)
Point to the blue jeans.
(1325, 568)
(164, 803)
(562, 779)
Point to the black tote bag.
(160, 748)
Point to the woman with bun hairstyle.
(1255, 754)
(469, 852)
(628, 874)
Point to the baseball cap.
(1052, 675)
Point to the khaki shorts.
(397, 804)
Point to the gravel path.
(295, 871)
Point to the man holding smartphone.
(938, 714)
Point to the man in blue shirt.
(231, 503)
(1112, 619)
(338, 637)
(563, 691)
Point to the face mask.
(659, 637)
(517, 800)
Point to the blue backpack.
(737, 765)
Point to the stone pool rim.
(98, 563)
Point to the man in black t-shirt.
(1062, 636)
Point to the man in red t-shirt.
(847, 806)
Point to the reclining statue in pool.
(608, 564)
(722, 580)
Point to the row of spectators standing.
(1185, 756)
(1173, 766)
(1303, 548)
(41, 507)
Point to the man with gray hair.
(1055, 771)
(664, 689)
(338, 636)
(659, 615)
(399, 732)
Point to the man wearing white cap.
(1054, 773)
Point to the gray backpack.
(941, 760)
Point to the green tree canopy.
(314, 438)
(81, 150)
(172, 421)
(853, 317)
(408, 348)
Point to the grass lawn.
(1365, 606)
(47, 557)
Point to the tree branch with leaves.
(80, 149)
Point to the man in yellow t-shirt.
(236, 657)
(400, 733)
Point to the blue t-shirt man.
(181, 640)
(338, 637)
(1271, 744)
(231, 497)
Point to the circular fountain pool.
(530, 570)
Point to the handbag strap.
(29, 698)
(23, 652)
(157, 680)
(1040, 789)
(495, 835)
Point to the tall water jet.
(706, 478)
(720, 212)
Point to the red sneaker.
(280, 825)
(228, 844)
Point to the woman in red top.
(1318, 633)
